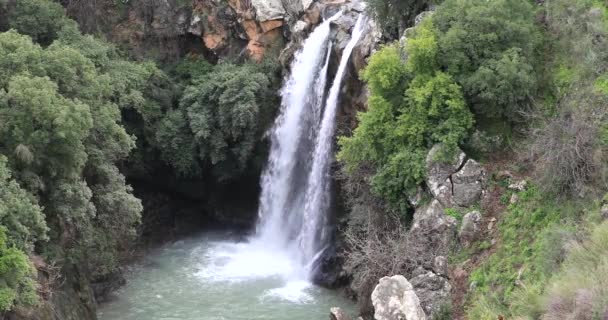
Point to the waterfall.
(314, 232)
(296, 183)
(282, 177)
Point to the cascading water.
(296, 184)
(288, 160)
(268, 276)
(314, 232)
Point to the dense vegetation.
(74, 109)
(521, 80)
(518, 80)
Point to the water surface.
(212, 277)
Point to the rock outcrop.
(456, 182)
(429, 242)
(338, 314)
(394, 299)
(470, 228)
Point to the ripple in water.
(214, 278)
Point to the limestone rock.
(470, 228)
(456, 182)
(518, 185)
(431, 235)
(439, 174)
(394, 299)
(468, 184)
(432, 290)
(268, 9)
(337, 314)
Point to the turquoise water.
(213, 278)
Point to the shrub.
(412, 106)
(226, 111)
(579, 290)
(42, 20)
(489, 47)
(16, 276)
(568, 149)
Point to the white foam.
(292, 291)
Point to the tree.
(413, 105)
(21, 216)
(17, 285)
(223, 110)
(41, 20)
(490, 48)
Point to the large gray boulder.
(268, 9)
(455, 182)
(394, 299)
(468, 184)
(431, 236)
(433, 291)
(430, 240)
(470, 228)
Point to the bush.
(412, 106)
(580, 290)
(17, 285)
(41, 20)
(227, 111)
(568, 149)
(490, 48)
(20, 215)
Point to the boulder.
(432, 290)
(268, 9)
(468, 184)
(518, 185)
(431, 236)
(455, 182)
(338, 314)
(470, 228)
(439, 174)
(394, 299)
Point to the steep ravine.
(167, 31)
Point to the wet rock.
(328, 270)
(394, 298)
(470, 228)
(338, 314)
(432, 290)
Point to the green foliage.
(412, 106)
(490, 48)
(177, 143)
(41, 20)
(530, 248)
(16, 276)
(454, 214)
(578, 291)
(19, 213)
(221, 116)
(60, 119)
